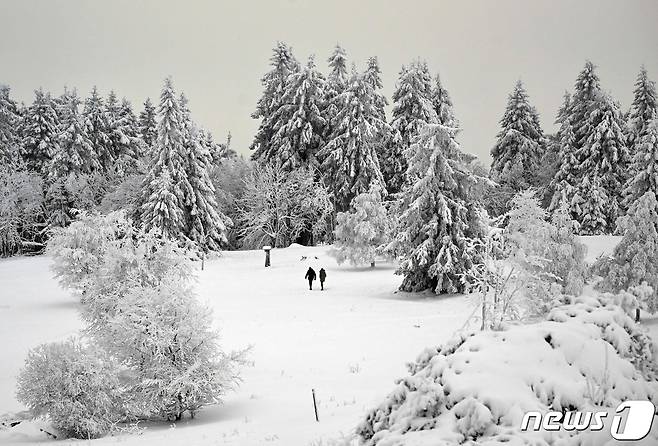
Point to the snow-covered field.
(348, 343)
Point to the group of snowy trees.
(149, 349)
(63, 154)
(600, 161)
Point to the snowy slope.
(348, 342)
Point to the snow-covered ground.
(348, 343)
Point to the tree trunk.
(637, 315)
(372, 264)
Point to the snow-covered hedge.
(76, 387)
(478, 386)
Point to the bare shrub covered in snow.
(278, 207)
(21, 209)
(528, 266)
(635, 258)
(77, 387)
(478, 386)
(362, 233)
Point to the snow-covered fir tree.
(443, 104)
(40, 130)
(644, 165)
(362, 233)
(635, 258)
(439, 215)
(96, 121)
(604, 159)
(298, 122)
(10, 121)
(413, 108)
(520, 142)
(372, 75)
(166, 185)
(335, 85)
(643, 109)
(283, 63)
(206, 225)
(575, 128)
(147, 124)
(351, 164)
(124, 134)
(74, 152)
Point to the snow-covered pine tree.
(40, 129)
(635, 258)
(443, 104)
(74, 152)
(412, 110)
(166, 186)
(351, 164)
(644, 165)
(283, 63)
(643, 110)
(123, 131)
(584, 101)
(372, 75)
(565, 181)
(206, 225)
(10, 121)
(148, 125)
(520, 143)
(60, 202)
(96, 121)
(604, 159)
(438, 216)
(335, 85)
(590, 206)
(362, 233)
(298, 122)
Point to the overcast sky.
(217, 51)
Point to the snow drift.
(587, 355)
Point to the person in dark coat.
(323, 277)
(310, 275)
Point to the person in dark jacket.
(323, 277)
(310, 275)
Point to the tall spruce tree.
(443, 104)
(205, 224)
(123, 131)
(519, 147)
(413, 108)
(74, 152)
(96, 121)
(439, 215)
(335, 85)
(283, 63)
(643, 109)
(351, 164)
(299, 121)
(40, 130)
(148, 124)
(10, 121)
(645, 165)
(166, 185)
(604, 158)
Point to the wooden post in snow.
(315, 406)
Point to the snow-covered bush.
(21, 209)
(165, 337)
(361, 234)
(279, 207)
(75, 386)
(635, 258)
(78, 251)
(477, 387)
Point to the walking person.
(310, 275)
(323, 277)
